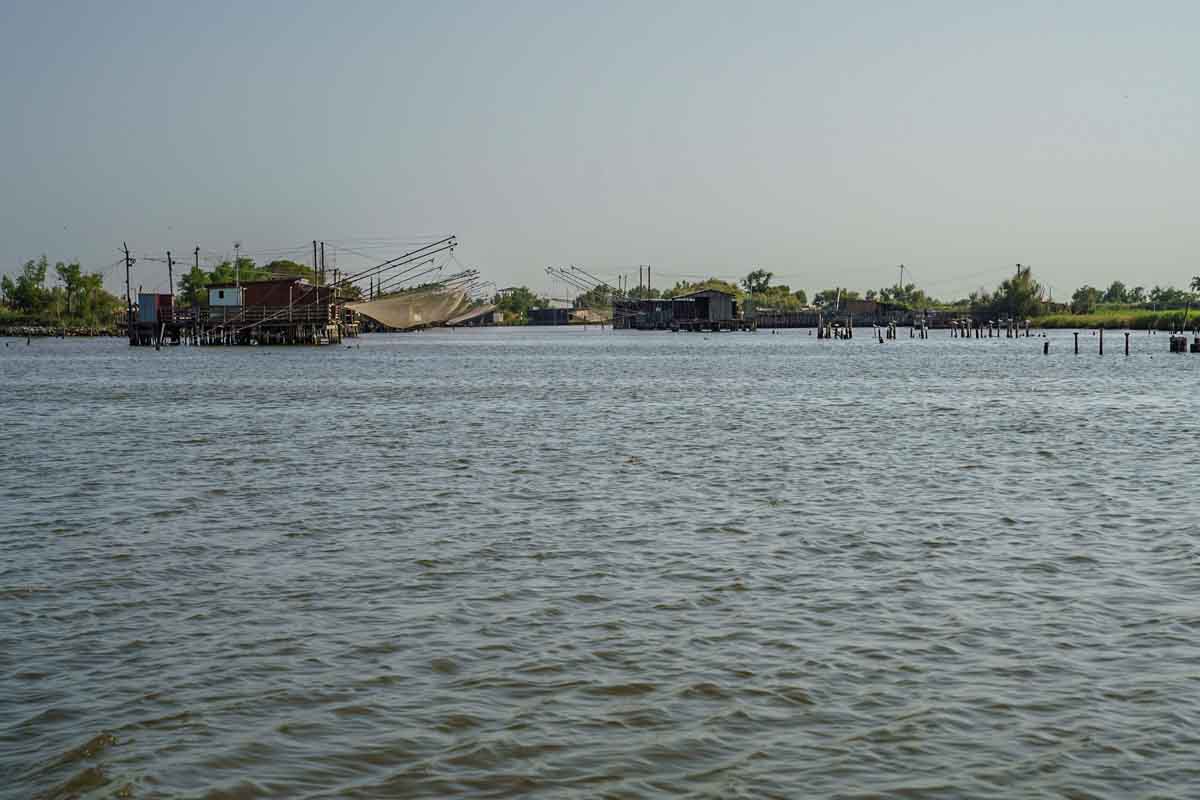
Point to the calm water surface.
(568, 563)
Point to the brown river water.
(579, 563)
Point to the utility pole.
(322, 262)
(316, 273)
(128, 299)
(237, 267)
(170, 274)
(901, 284)
(1012, 304)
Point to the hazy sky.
(828, 142)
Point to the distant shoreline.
(45, 331)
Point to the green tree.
(228, 273)
(81, 298)
(598, 297)
(72, 276)
(28, 292)
(778, 298)
(908, 296)
(827, 297)
(1084, 300)
(517, 301)
(1137, 294)
(286, 267)
(1168, 297)
(8, 290)
(715, 284)
(801, 297)
(757, 281)
(192, 287)
(1019, 296)
(1116, 293)
(979, 301)
(96, 306)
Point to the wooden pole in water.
(1102, 341)
(1126, 342)
(1076, 342)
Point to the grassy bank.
(1134, 319)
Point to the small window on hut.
(221, 294)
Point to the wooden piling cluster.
(968, 328)
(1179, 344)
(829, 329)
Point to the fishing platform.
(276, 311)
(706, 310)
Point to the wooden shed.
(708, 305)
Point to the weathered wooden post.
(1076, 342)
(1126, 342)
(1045, 348)
(1102, 341)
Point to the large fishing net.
(470, 314)
(591, 315)
(415, 309)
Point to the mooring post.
(1102, 341)
(1126, 342)
(1076, 342)
(1045, 348)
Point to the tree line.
(80, 300)
(1019, 296)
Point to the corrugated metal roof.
(706, 291)
(296, 279)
